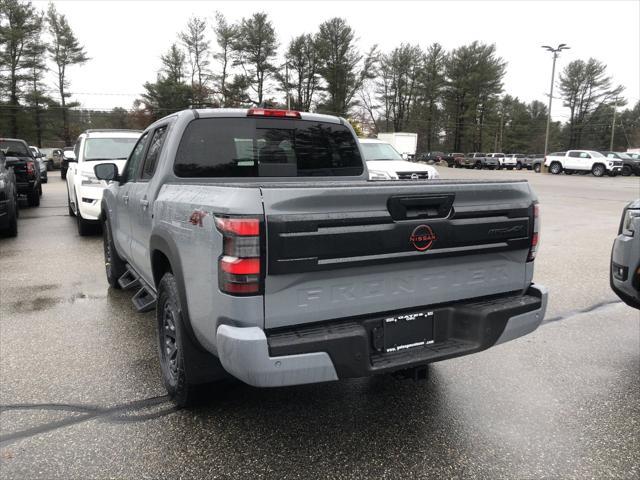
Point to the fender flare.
(161, 241)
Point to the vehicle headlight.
(89, 179)
(434, 174)
(627, 221)
(611, 164)
(379, 175)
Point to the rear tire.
(555, 168)
(114, 265)
(171, 343)
(479, 165)
(536, 168)
(598, 170)
(518, 166)
(33, 198)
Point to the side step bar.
(130, 279)
(144, 299)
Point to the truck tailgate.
(337, 251)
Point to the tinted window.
(132, 165)
(155, 147)
(574, 154)
(250, 147)
(11, 147)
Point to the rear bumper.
(25, 187)
(350, 348)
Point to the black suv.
(25, 168)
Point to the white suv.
(385, 163)
(84, 190)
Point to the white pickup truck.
(582, 161)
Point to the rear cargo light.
(240, 267)
(268, 112)
(535, 234)
(31, 169)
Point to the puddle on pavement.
(39, 304)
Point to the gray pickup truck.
(268, 255)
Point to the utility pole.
(613, 124)
(555, 51)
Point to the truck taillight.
(31, 168)
(535, 234)
(240, 267)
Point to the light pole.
(555, 51)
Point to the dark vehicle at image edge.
(8, 199)
(625, 257)
(630, 164)
(25, 168)
(268, 255)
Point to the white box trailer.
(405, 143)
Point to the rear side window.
(155, 147)
(258, 147)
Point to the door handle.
(125, 199)
(144, 203)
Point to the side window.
(584, 155)
(133, 163)
(574, 154)
(155, 147)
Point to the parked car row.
(585, 161)
(20, 174)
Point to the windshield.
(260, 147)
(14, 148)
(108, 148)
(379, 151)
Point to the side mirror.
(106, 171)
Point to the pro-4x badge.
(422, 238)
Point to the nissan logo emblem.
(414, 176)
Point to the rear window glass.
(250, 147)
(12, 147)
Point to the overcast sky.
(125, 39)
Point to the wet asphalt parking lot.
(81, 395)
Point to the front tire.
(115, 267)
(518, 166)
(12, 228)
(598, 170)
(626, 171)
(536, 168)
